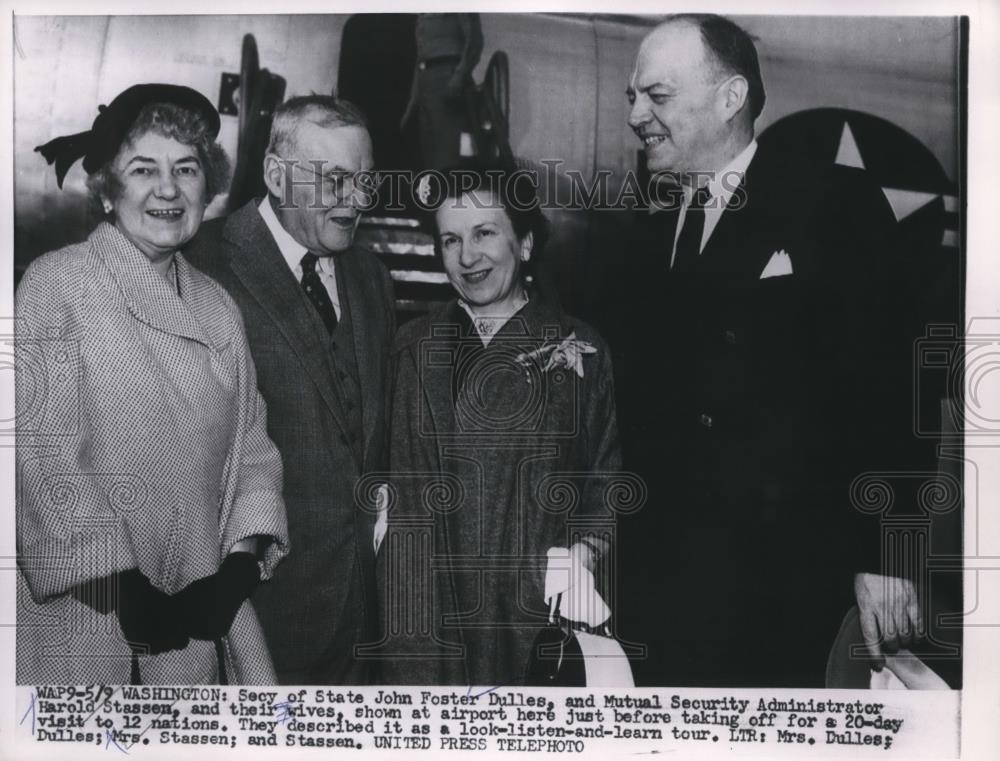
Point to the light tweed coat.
(141, 442)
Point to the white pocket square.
(779, 264)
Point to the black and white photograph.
(470, 379)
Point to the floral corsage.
(567, 353)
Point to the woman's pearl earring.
(107, 206)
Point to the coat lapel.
(201, 295)
(728, 247)
(258, 263)
(738, 245)
(661, 226)
(149, 297)
(367, 324)
(434, 356)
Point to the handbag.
(568, 654)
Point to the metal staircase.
(401, 241)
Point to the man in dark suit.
(759, 377)
(319, 317)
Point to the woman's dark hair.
(181, 124)
(514, 190)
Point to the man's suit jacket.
(321, 604)
(749, 405)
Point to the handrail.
(260, 93)
(497, 82)
(489, 107)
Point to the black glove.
(146, 615)
(206, 607)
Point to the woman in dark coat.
(504, 442)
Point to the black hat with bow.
(101, 142)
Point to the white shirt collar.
(722, 187)
(487, 326)
(725, 183)
(291, 250)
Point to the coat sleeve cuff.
(260, 513)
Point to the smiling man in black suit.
(757, 373)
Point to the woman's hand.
(570, 589)
(145, 614)
(206, 607)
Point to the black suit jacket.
(320, 603)
(750, 405)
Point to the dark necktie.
(316, 291)
(689, 241)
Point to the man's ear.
(733, 95)
(274, 175)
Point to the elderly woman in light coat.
(149, 495)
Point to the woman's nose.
(167, 186)
(469, 254)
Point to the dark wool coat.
(749, 405)
(492, 464)
(331, 432)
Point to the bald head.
(683, 39)
(729, 50)
(688, 109)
